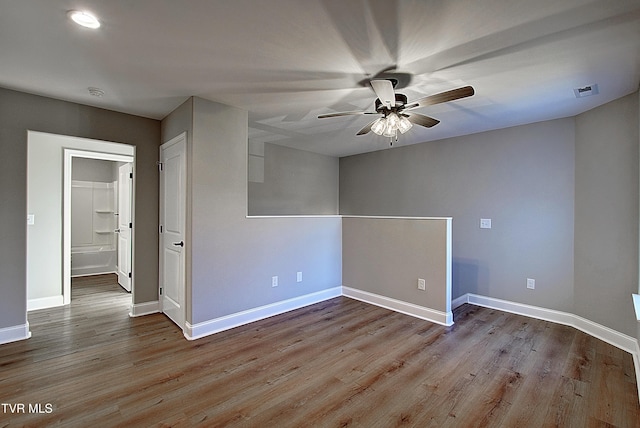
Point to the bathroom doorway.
(101, 218)
(110, 201)
(49, 187)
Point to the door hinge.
(160, 290)
(160, 228)
(160, 166)
(129, 274)
(130, 225)
(131, 175)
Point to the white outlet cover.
(274, 281)
(299, 277)
(485, 223)
(421, 284)
(531, 284)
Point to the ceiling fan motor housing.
(401, 101)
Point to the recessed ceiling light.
(96, 92)
(84, 18)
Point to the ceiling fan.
(396, 111)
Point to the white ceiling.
(287, 61)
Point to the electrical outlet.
(299, 277)
(421, 284)
(485, 223)
(531, 284)
(274, 281)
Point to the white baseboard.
(438, 317)
(636, 363)
(612, 337)
(44, 303)
(146, 308)
(615, 338)
(15, 333)
(459, 301)
(227, 322)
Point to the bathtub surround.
(94, 218)
(92, 260)
(92, 227)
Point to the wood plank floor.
(335, 364)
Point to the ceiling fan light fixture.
(404, 124)
(390, 131)
(379, 126)
(393, 120)
(391, 106)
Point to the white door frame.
(69, 154)
(181, 138)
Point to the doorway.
(173, 194)
(101, 218)
(101, 228)
(49, 167)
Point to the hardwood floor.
(336, 363)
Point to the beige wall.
(386, 256)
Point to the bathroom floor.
(100, 290)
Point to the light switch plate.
(31, 219)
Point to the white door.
(123, 232)
(173, 189)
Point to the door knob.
(179, 244)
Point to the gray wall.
(521, 178)
(20, 112)
(294, 182)
(233, 257)
(97, 170)
(562, 194)
(606, 220)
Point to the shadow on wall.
(468, 275)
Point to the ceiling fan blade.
(442, 97)
(384, 90)
(366, 129)
(421, 119)
(346, 113)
